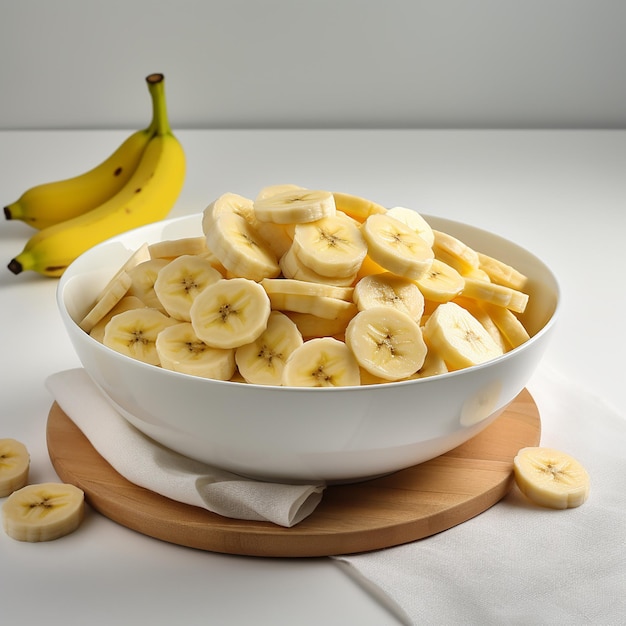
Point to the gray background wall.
(321, 63)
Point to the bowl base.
(379, 513)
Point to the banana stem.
(160, 122)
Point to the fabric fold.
(146, 463)
(516, 561)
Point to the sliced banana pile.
(37, 512)
(305, 287)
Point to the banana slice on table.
(551, 478)
(14, 466)
(388, 289)
(331, 246)
(172, 248)
(386, 342)
(240, 249)
(396, 247)
(415, 221)
(296, 206)
(115, 289)
(441, 283)
(501, 273)
(134, 333)
(455, 253)
(180, 281)
(321, 362)
(356, 207)
(143, 278)
(263, 360)
(180, 350)
(230, 312)
(292, 267)
(43, 512)
(459, 337)
(125, 304)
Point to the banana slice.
(459, 337)
(478, 310)
(274, 190)
(313, 326)
(279, 237)
(214, 261)
(230, 313)
(441, 283)
(386, 342)
(478, 273)
(134, 333)
(508, 324)
(495, 294)
(455, 253)
(414, 221)
(263, 360)
(143, 278)
(240, 249)
(125, 304)
(322, 362)
(318, 299)
(14, 466)
(356, 207)
(370, 379)
(227, 203)
(108, 298)
(368, 267)
(172, 248)
(396, 247)
(433, 365)
(331, 246)
(292, 267)
(551, 478)
(296, 206)
(180, 350)
(115, 289)
(289, 286)
(180, 281)
(501, 273)
(43, 512)
(387, 289)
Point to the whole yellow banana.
(147, 197)
(50, 203)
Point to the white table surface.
(561, 194)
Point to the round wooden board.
(410, 504)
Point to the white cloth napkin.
(144, 462)
(517, 563)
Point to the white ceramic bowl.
(304, 434)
